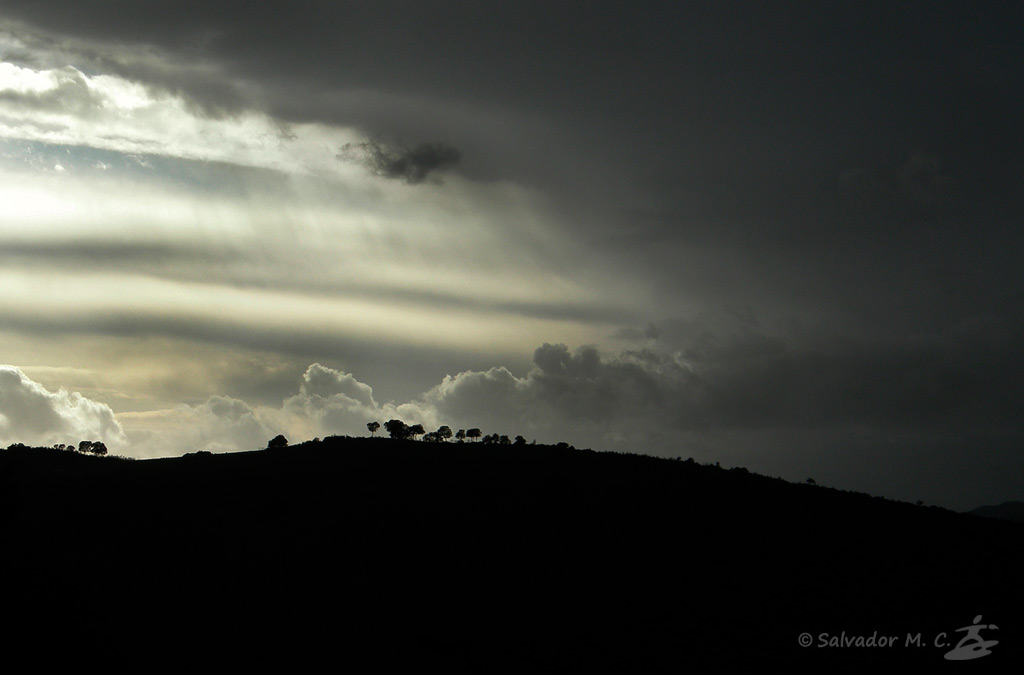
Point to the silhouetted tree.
(502, 440)
(416, 430)
(473, 433)
(520, 441)
(397, 429)
(278, 441)
(93, 447)
(373, 426)
(444, 432)
(460, 435)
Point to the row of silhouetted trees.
(399, 430)
(91, 447)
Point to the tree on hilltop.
(93, 447)
(397, 429)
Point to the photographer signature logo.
(971, 645)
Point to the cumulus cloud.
(219, 424)
(413, 165)
(328, 402)
(575, 393)
(744, 398)
(334, 402)
(641, 400)
(323, 382)
(31, 414)
(749, 383)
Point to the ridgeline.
(466, 556)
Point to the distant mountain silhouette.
(472, 557)
(1007, 511)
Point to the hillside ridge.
(471, 551)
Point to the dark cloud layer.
(412, 165)
(731, 104)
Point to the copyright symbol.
(805, 639)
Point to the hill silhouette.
(1006, 511)
(482, 557)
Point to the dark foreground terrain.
(368, 553)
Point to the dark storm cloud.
(412, 165)
(856, 158)
(725, 103)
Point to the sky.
(785, 236)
